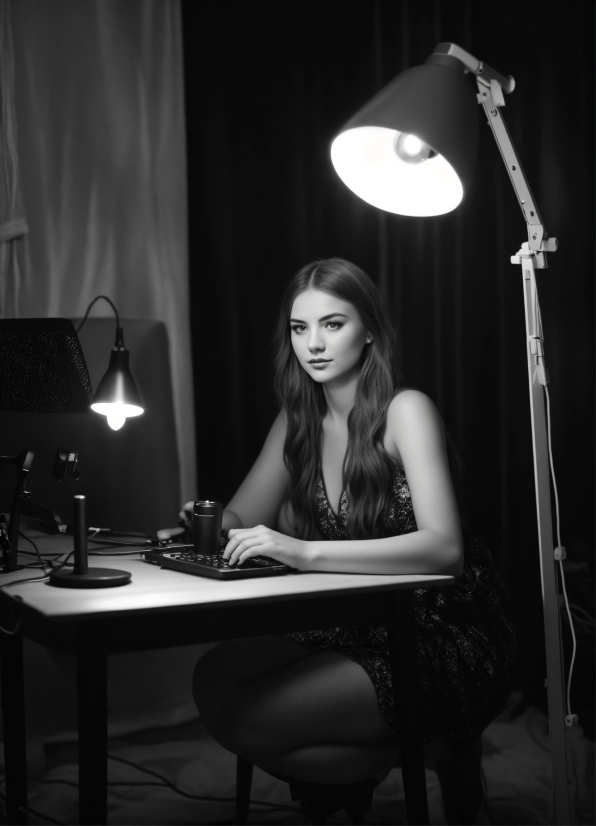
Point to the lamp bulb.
(412, 144)
(411, 149)
(116, 419)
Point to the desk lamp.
(411, 150)
(117, 396)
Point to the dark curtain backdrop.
(267, 87)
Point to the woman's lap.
(270, 695)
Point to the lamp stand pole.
(531, 256)
(555, 683)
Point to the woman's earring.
(369, 339)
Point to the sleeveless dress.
(465, 634)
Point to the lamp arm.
(491, 98)
(491, 86)
(483, 71)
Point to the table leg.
(92, 690)
(12, 682)
(401, 633)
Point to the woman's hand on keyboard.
(263, 541)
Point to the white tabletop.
(153, 588)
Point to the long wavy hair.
(368, 470)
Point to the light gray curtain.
(12, 221)
(99, 101)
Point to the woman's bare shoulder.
(280, 425)
(410, 410)
(408, 401)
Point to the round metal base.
(94, 578)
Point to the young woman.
(354, 476)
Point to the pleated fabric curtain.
(13, 225)
(99, 102)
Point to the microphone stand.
(81, 576)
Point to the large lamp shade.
(411, 149)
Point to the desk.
(162, 608)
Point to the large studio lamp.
(117, 396)
(411, 151)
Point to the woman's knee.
(221, 673)
(210, 663)
(210, 682)
(223, 680)
(247, 659)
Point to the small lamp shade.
(411, 150)
(117, 396)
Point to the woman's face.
(328, 335)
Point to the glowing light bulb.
(116, 412)
(411, 149)
(116, 418)
(412, 144)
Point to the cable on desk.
(100, 552)
(21, 552)
(147, 547)
(44, 578)
(122, 553)
(34, 578)
(26, 553)
(31, 542)
(41, 559)
(22, 581)
(118, 543)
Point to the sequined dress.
(465, 634)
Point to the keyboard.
(217, 567)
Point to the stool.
(458, 769)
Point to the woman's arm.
(416, 429)
(260, 496)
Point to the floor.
(179, 775)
